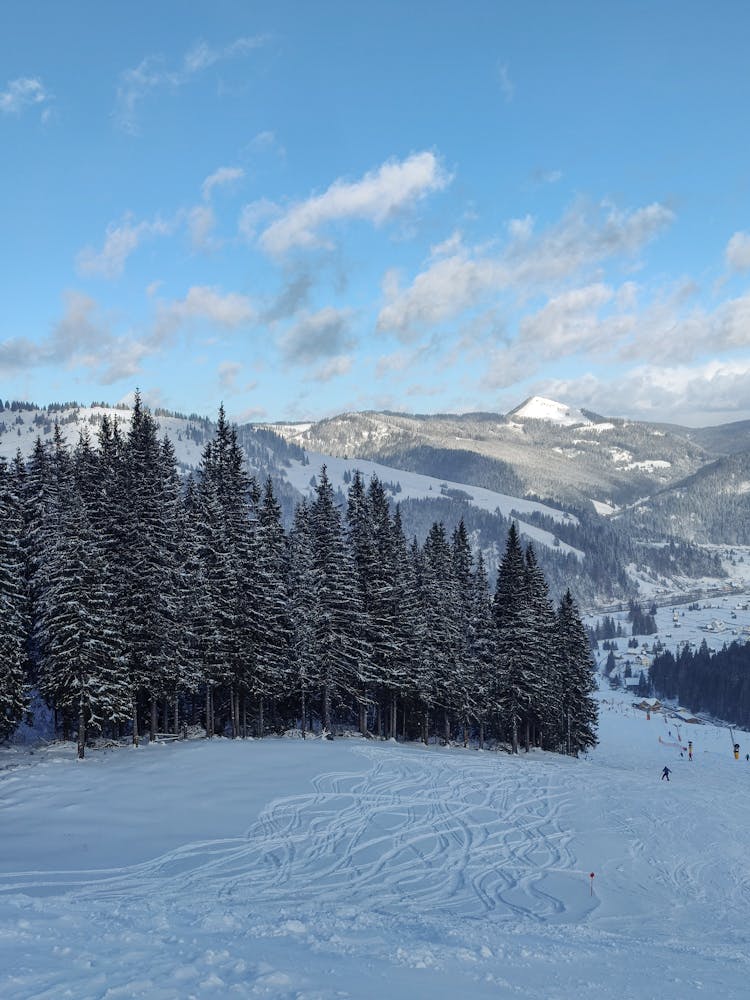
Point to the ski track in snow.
(394, 833)
(412, 872)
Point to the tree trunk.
(527, 736)
(425, 728)
(154, 722)
(244, 715)
(304, 710)
(81, 731)
(233, 712)
(393, 730)
(466, 733)
(327, 709)
(514, 731)
(261, 721)
(135, 721)
(447, 727)
(362, 719)
(176, 704)
(481, 735)
(209, 712)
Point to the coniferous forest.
(717, 683)
(135, 601)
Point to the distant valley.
(616, 508)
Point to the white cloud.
(684, 394)
(528, 266)
(336, 367)
(446, 288)
(121, 240)
(152, 74)
(267, 142)
(82, 338)
(228, 373)
(22, 93)
(507, 86)
(220, 177)
(568, 323)
(201, 224)
(204, 304)
(376, 197)
(738, 252)
(315, 336)
(388, 364)
(253, 215)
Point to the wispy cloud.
(507, 87)
(22, 93)
(335, 368)
(378, 196)
(121, 240)
(738, 252)
(316, 336)
(267, 142)
(201, 219)
(293, 295)
(153, 73)
(206, 305)
(658, 392)
(229, 372)
(82, 338)
(528, 265)
(221, 177)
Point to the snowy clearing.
(291, 869)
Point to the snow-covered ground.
(352, 869)
(416, 486)
(541, 408)
(719, 620)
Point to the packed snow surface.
(355, 869)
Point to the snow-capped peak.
(540, 408)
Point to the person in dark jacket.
(665, 773)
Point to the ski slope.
(354, 869)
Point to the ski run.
(315, 869)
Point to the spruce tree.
(303, 606)
(578, 706)
(13, 605)
(543, 715)
(514, 647)
(341, 649)
(80, 661)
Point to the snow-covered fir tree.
(129, 594)
(13, 604)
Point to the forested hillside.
(713, 504)
(717, 683)
(132, 595)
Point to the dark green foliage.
(139, 596)
(717, 683)
(13, 603)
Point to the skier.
(665, 773)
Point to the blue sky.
(305, 208)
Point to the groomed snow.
(354, 869)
